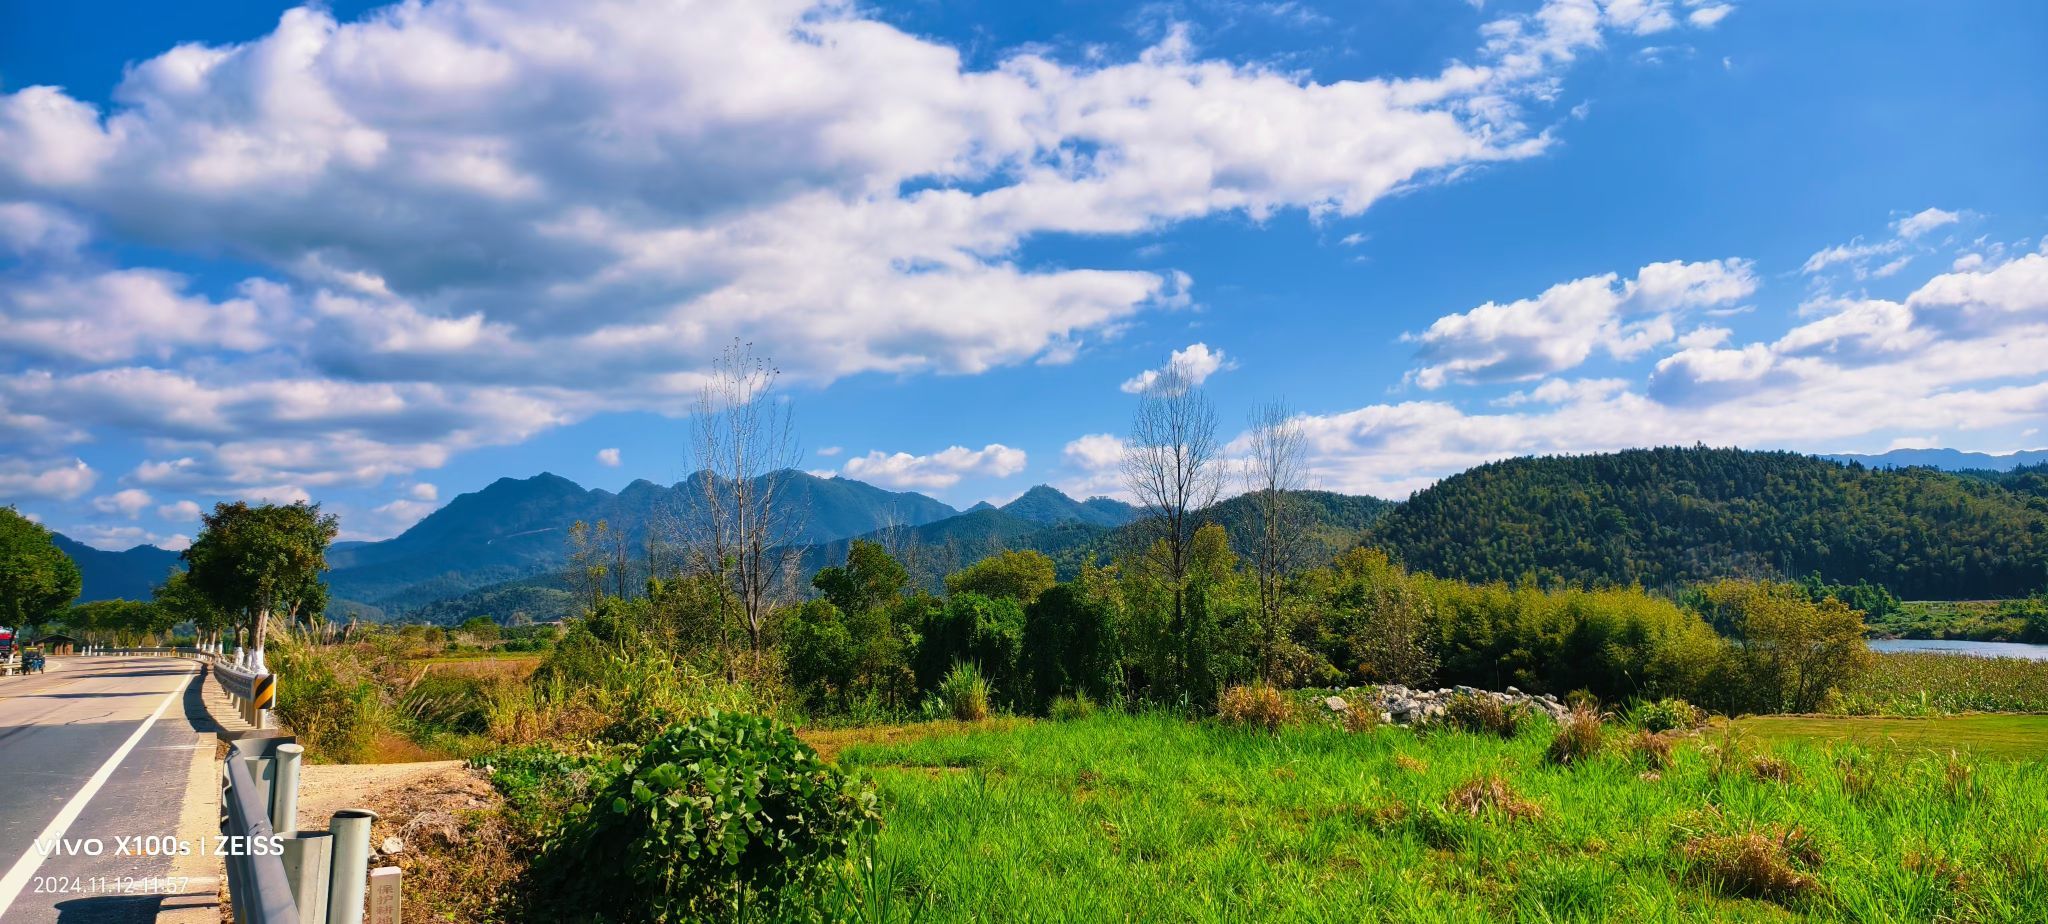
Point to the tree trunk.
(256, 643)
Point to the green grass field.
(1986, 737)
(1122, 817)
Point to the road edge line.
(25, 868)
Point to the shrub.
(328, 697)
(1480, 714)
(1361, 719)
(1258, 705)
(1577, 740)
(1668, 714)
(1071, 708)
(1653, 747)
(965, 692)
(720, 813)
(1758, 861)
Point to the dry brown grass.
(1491, 795)
(1770, 769)
(1255, 705)
(1410, 764)
(1578, 740)
(829, 742)
(1482, 715)
(514, 667)
(1361, 719)
(1769, 862)
(1653, 748)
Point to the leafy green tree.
(181, 602)
(481, 628)
(869, 579)
(119, 621)
(262, 561)
(971, 628)
(37, 580)
(1018, 575)
(1070, 643)
(1388, 624)
(1786, 650)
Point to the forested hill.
(1665, 517)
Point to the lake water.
(1979, 649)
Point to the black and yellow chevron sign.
(265, 691)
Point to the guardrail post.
(345, 892)
(284, 797)
(309, 865)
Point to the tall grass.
(1915, 683)
(1150, 817)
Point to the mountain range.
(1948, 460)
(1658, 517)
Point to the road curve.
(60, 733)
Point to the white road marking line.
(25, 868)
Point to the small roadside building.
(57, 644)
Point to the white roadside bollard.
(345, 890)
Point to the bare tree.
(1274, 468)
(743, 533)
(1170, 466)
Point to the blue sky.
(377, 257)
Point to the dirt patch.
(459, 856)
(829, 742)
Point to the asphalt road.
(58, 731)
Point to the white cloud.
(481, 219)
(1196, 364)
(1849, 253)
(1960, 355)
(608, 457)
(1094, 466)
(128, 503)
(1920, 223)
(938, 470)
(183, 511)
(27, 228)
(424, 491)
(1709, 15)
(1559, 329)
(830, 451)
(26, 478)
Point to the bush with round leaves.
(716, 814)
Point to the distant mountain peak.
(1046, 504)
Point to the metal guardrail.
(278, 874)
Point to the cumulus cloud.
(1094, 466)
(28, 478)
(1960, 354)
(476, 220)
(938, 470)
(1534, 337)
(1195, 363)
(1919, 223)
(608, 458)
(128, 503)
(183, 511)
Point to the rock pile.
(1404, 706)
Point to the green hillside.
(1665, 517)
